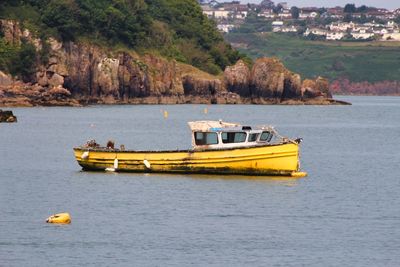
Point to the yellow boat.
(218, 147)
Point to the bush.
(18, 60)
(25, 64)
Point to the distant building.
(315, 31)
(340, 26)
(213, 3)
(285, 14)
(267, 4)
(284, 5)
(219, 13)
(335, 12)
(378, 13)
(289, 29)
(225, 27)
(267, 13)
(362, 35)
(394, 36)
(277, 26)
(334, 35)
(277, 23)
(308, 12)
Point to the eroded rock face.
(267, 78)
(166, 79)
(83, 73)
(292, 87)
(322, 85)
(237, 78)
(89, 71)
(270, 79)
(316, 88)
(11, 31)
(5, 79)
(201, 87)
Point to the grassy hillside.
(358, 61)
(173, 28)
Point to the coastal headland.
(80, 73)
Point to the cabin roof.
(207, 126)
(204, 126)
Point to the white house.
(334, 35)
(362, 35)
(315, 31)
(277, 25)
(340, 26)
(225, 27)
(267, 13)
(289, 29)
(306, 14)
(285, 14)
(219, 13)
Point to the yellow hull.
(281, 159)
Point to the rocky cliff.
(82, 73)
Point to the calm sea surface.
(345, 213)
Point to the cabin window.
(252, 137)
(202, 138)
(266, 136)
(233, 137)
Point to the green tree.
(24, 63)
(348, 17)
(295, 12)
(362, 9)
(62, 15)
(349, 8)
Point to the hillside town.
(337, 23)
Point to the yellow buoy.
(299, 174)
(205, 110)
(165, 114)
(62, 218)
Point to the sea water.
(345, 213)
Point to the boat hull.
(281, 159)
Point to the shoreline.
(183, 100)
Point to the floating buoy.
(298, 174)
(61, 218)
(165, 114)
(205, 110)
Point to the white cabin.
(219, 135)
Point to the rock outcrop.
(237, 79)
(81, 73)
(270, 82)
(316, 88)
(7, 116)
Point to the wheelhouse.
(219, 134)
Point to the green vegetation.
(18, 60)
(367, 61)
(174, 28)
(254, 24)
